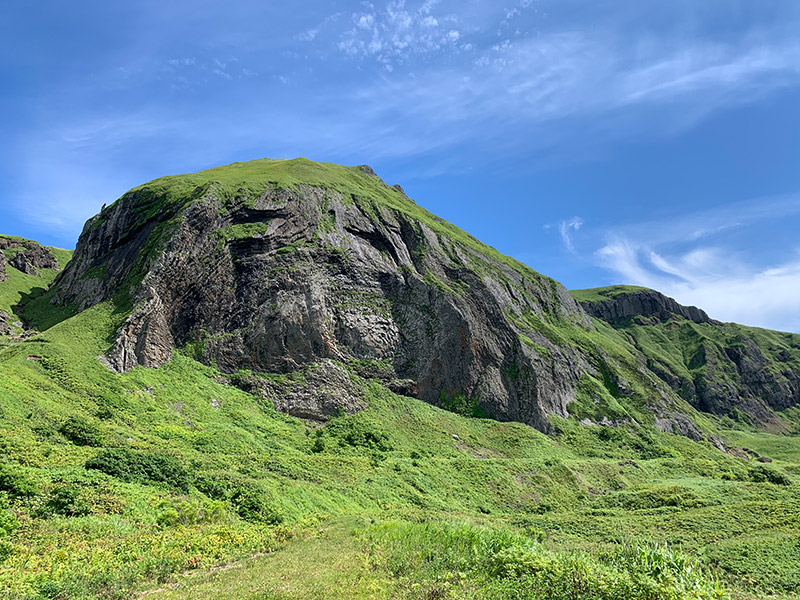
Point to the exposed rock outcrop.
(3, 263)
(319, 392)
(29, 257)
(278, 280)
(644, 303)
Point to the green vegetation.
(20, 288)
(452, 559)
(604, 293)
(175, 478)
(193, 472)
(242, 231)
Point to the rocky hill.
(232, 366)
(275, 266)
(29, 269)
(721, 368)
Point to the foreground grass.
(450, 559)
(109, 481)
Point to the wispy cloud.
(565, 228)
(569, 77)
(395, 32)
(688, 258)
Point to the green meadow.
(176, 482)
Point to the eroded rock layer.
(281, 279)
(719, 368)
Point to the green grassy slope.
(604, 293)
(19, 288)
(109, 481)
(688, 353)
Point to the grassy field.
(111, 481)
(173, 482)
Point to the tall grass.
(449, 560)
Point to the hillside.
(294, 357)
(742, 373)
(26, 270)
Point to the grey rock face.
(680, 424)
(722, 377)
(646, 303)
(5, 320)
(29, 260)
(324, 277)
(324, 391)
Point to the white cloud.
(395, 33)
(497, 93)
(565, 229)
(731, 286)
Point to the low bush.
(188, 511)
(81, 432)
(15, 482)
(253, 504)
(766, 473)
(8, 520)
(65, 500)
(651, 498)
(141, 467)
(351, 431)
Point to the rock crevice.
(293, 277)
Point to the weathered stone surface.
(5, 323)
(329, 277)
(645, 303)
(325, 391)
(680, 424)
(32, 257)
(720, 378)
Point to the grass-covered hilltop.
(285, 379)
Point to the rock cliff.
(721, 368)
(27, 257)
(271, 275)
(643, 303)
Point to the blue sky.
(616, 141)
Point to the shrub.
(190, 512)
(141, 467)
(16, 482)
(82, 433)
(253, 504)
(651, 498)
(359, 434)
(765, 473)
(65, 500)
(8, 521)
